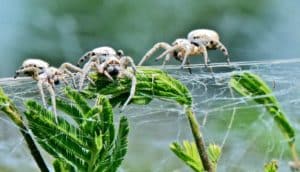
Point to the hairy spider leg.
(157, 46)
(132, 89)
(93, 61)
(167, 53)
(67, 68)
(84, 58)
(222, 47)
(186, 54)
(34, 70)
(125, 61)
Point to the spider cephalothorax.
(197, 43)
(47, 76)
(113, 66)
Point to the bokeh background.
(63, 30)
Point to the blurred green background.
(62, 30)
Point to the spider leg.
(125, 60)
(101, 69)
(168, 57)
(66, 67)
(186, 54)
(34, 70)
(84, 58)
(70, 67)
(132, 89)
(72, 77)
(153, 49)
(205, 55)
(40, 86)
(188, 64)
(168, 51)
(86, 68)
(221, 47)
(53, 101)
(108, 75)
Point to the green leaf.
(121, 144)
(188, 153)
(80, 102)
(252, 86)
(88, 145)
(271, 166)
(62, 166)
(151, 83)
(214, 153)
(70, 109)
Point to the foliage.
(88, 143)
(271, 166)
(9, 108)
(151, 83)
(252, 86)
(189, 155)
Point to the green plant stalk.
(199, 140)
(11, 111)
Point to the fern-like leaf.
(62, 166)
(121, 145)
(189, 155)
(90, 145)
(80, 102)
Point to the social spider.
(112, 66)
(96, 56)
(47, 76)
(197, 43)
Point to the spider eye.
(40, 67)
(34, 65)
(93, 53)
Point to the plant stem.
(199, 140)
(14, 115)
(294, 152)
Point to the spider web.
(246, 132)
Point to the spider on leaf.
(110, 63)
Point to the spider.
(47, 76)
(113, 66)
(98, 56)
(197, 43)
